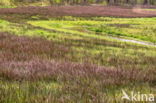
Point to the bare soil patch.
(83, 11)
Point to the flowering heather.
(24, 58)
(81, 11)
(24, 48)
(75, 59)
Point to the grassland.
(73, 59)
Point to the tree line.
(84, 2)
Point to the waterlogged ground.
(75, 59)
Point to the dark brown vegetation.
(84, 11)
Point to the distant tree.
(109, 2)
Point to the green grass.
(7, 6)
(82, 36)
(89, 42)
(5, 2)
(150, 9)
(42, 92)
(139, 28)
